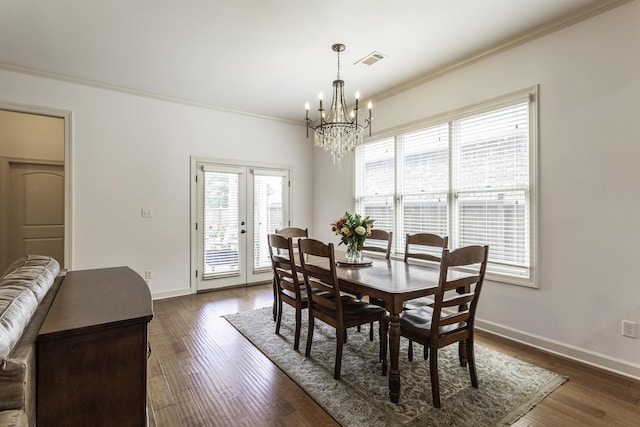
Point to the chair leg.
(435, 383)
(296, 340)
(307, 351)
(278, 315)
(471, 361)
(425, 352)
(371, 332)
(462, 353)
(275, 298)
(410, 351)
(340, 339)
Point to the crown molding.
(130, 91)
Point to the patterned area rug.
(508, 387)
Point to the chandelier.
(339, 130)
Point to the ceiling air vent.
(370, 59)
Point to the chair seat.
(292, 294)
(358, 308)
(354, 309)
(419, 321)
(417, 303)
(376, 301)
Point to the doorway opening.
(34, 183)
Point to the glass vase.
(354, 255)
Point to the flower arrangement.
(353, 231)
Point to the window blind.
(269, 207)
(490, 169)
(220, 223)
(375, 186)
(424, 182)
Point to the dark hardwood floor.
(202, 372)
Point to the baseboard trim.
(187, 291)
(170, 294)
(598, 360)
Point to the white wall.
(589, 199)
(131, 152)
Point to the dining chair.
(424, 246)
(326, 303)
(293, 232)
(289, 289)
(379, 241)
(452, 318)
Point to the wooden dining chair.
(325, 301)
(293, 232)
(452, 318)
(424, 246)
(379, 241)
(289, 289)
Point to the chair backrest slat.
(293, 232)
(454, 318)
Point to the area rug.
(508, 389)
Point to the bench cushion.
(23, 286)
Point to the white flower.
(360, 230)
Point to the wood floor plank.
(203, 372)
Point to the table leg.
(394, 350)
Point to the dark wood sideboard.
(92, 351)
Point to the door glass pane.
(268, 215)
(220, 241)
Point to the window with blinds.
(468, 178)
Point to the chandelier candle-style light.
(338, 131)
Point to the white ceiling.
(262, 57)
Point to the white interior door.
(237, 207)
(36, 218)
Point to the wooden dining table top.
(393, 281)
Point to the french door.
(237, 207)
